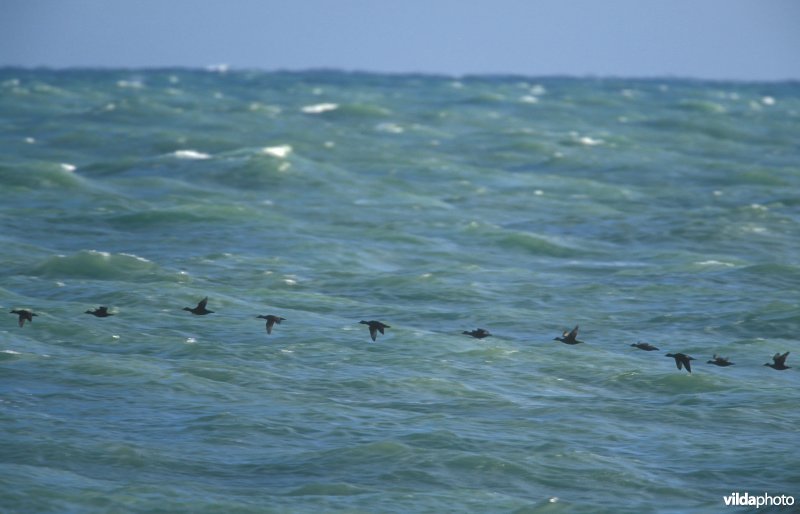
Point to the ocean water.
(663, 210)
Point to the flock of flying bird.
(568, 337)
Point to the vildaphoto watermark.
(762, 500)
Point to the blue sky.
(714, 39)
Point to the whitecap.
(30, 140)
(588, 141)
(191, 340)
(130, 84)
(538, 90)
(319, 108)
(529, 99)
(280, 151)
(190, 154)
(68, 167)
(389, 128)
(768, 100)
(713, 262)
(141, 259)
(10, 352)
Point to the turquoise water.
(665, 211)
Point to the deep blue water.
(665, 211)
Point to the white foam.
(190, 154)
(191, 340)
(588, 141)
(529, 99)
(280, 151)
(538, 90)
(30, 140)
(389, 128)
(715, 263)
(130, 84)
(68, 167)
(768, 100)
(140, 259)
(11, 352)
(319, 108)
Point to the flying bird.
(720, 361)
(681, 359)
(24, 314)
(478, 333)
(100, 312)
(569, 337)
(779, 360)
(374, 327)
(271, 320)
(200, 309)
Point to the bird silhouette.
(200, 310)
(681, 359)
(374, 327)
(24, 314)
(569, 337)
(271, 320)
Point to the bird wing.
(202, 303)
(780, 359)
(373, 333)
(270, 323)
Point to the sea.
(659, 210)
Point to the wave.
(101, 266)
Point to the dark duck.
(374, 327)
(478, 333)
(720, 361)
(569, 337)
(100, 312)
(200, 310)
(681, 359)
(778, 360)
(271, 320)
(24, 314)
(644, 346)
